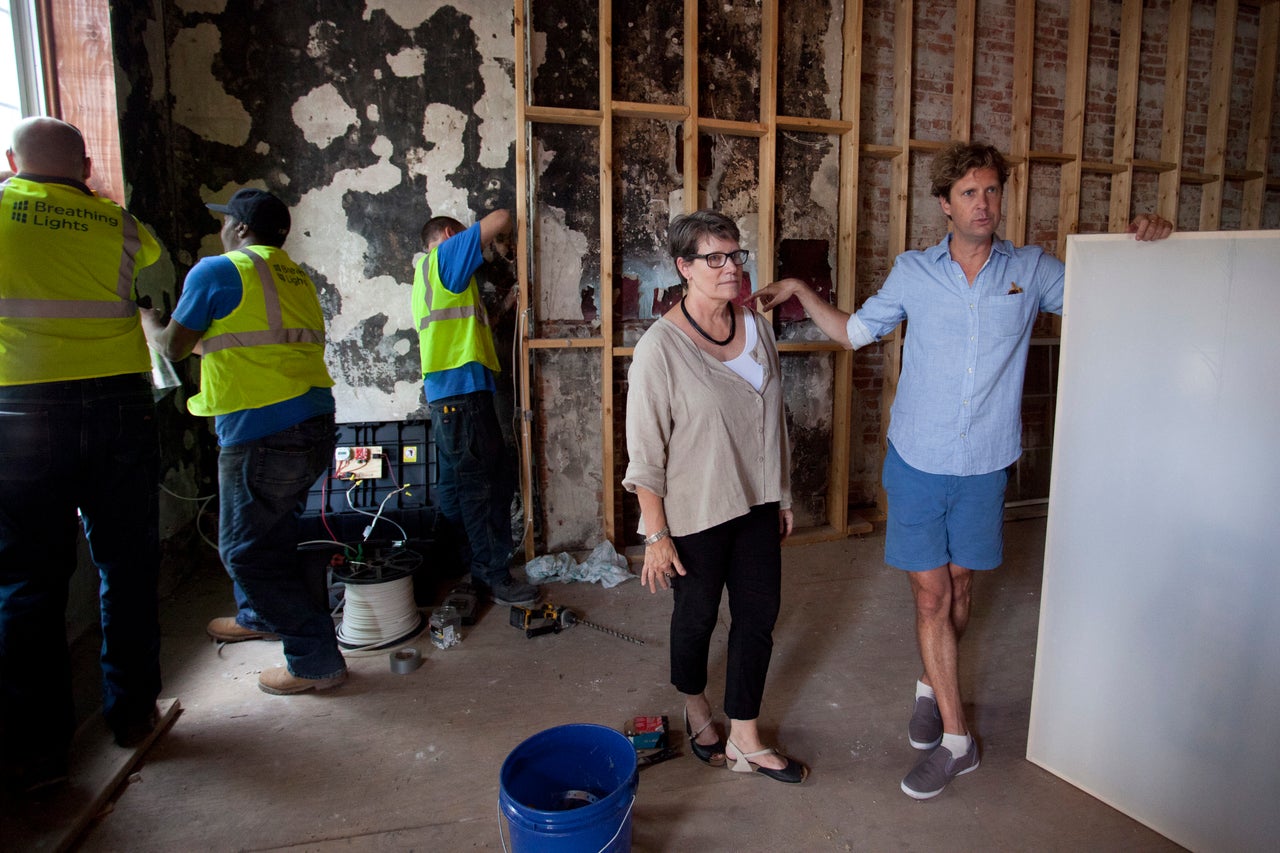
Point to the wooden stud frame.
(1070, 158)
(765, 130)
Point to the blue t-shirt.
(458, 258)
(958, 407)
(212, 291)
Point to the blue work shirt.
(958, 409)
(459, 258)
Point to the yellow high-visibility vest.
(271, 347)
(68, 262)
(453, 328)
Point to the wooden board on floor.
(98, 769)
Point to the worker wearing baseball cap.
(254, 316)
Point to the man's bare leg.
(942, 599)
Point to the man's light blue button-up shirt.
(958, 409)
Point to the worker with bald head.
(78, 447)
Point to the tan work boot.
(278, 681)
(225, 629)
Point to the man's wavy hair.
(958, 159)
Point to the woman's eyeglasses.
(715, 260)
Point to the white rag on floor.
(604, 564)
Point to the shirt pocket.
(1006, 316)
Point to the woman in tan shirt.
(710, 464)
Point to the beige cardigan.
(699, 436)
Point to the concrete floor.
(402, 762)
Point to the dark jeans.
(474, 482)
(744, 555)
(263, 490)
(90, 445)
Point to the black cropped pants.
(743, 555)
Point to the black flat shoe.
(794, 773)
(712, 753)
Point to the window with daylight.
(20, 91)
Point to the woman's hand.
(786, 523)
(661, 564)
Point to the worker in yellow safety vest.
(255, 318)
(77, 436)
(474, 480)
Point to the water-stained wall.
(366, 118)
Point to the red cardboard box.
(647, 732)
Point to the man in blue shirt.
(254, 317)
(474, 482)
(955, 425)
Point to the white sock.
(923, 689)
(957, 745)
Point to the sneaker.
(279, 681)
(513, 593)
(930, 776)
(225, 629)
(925, 729)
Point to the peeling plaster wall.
(366, 118)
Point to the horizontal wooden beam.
(927, 144)
(1156, 166)
(1103, 168)
(1243, 175)
(814, 125)
(565, 343)
(1197, 178)
(661, 112)
(562, 115)
(727, 127)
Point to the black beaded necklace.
(733, 325)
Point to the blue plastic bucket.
(570, 789)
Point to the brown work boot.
(278, 681)
(225, 629)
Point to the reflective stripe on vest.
(270, 348)
(76, 309)
(450, 314)
(460, 312)
(275, 333)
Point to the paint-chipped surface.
(568, 448)
(367, 119)
(361, 133)
(566, 238)
(200, 104)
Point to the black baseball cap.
(265, 214)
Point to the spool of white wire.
(378, 614)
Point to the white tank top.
(744, 365)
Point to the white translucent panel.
(1157, 683)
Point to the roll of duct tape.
(405, 661)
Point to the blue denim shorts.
(936, 519)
